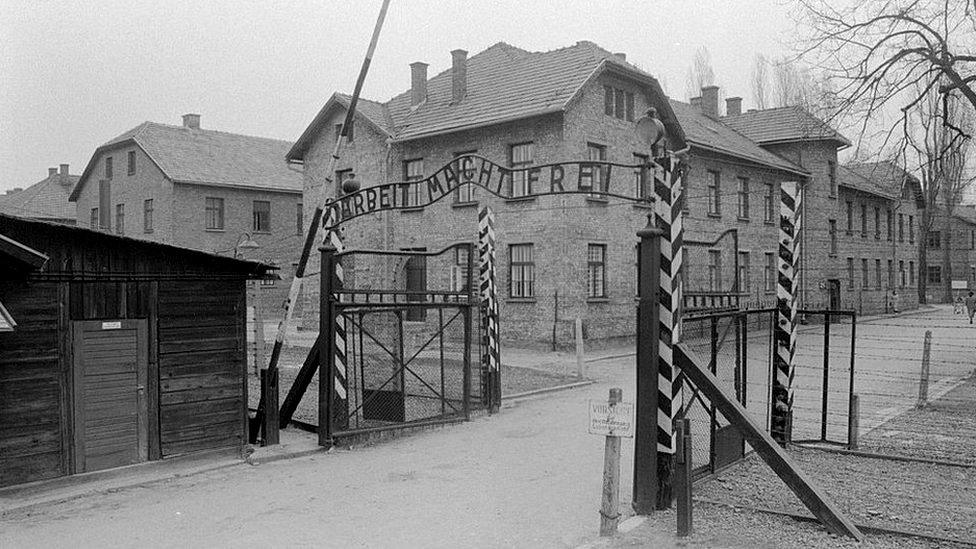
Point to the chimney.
(191, 121)
(418, 83)
(14, 190)
(64, 170)
(709, 101)
(733, 106)
(459, 75)
(51, 172)
(695, 102)
(65, 180)
(621, 56)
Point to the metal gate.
(404, 324)
(738, 347)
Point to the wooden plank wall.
(33, 395)
(201, 366)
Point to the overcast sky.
(75, 74)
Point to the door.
(833, 290)
(110, 415)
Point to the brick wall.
(962, 256)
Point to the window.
(891, 274)
(769, 204)
(262, 216)
(642, 177)
(888, 223)
(911, 273)
(935, 240)
(743, 197)
(901, 227)
(520, 156)
(147, 215)
(864, 273)
(864, 221)
(877, 274)
(832, 229)
(850, 272)
(596, 268)
(215, 213)
(877, 223)
(299, 219)
(911, 231)
(714, 193)
(618, 103)
(745, 282)
(596, 177)
(465, 193)
(769, 273)
(850, 217)
(521, 271)
(459, 274)
(413, 170)
(416, 284)
(108, 167)
(901, 274)
(714, 270)
(934, 274)
(832, 178)
(340, 177)
(132, 163)
(93, 220)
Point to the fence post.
(923, 382)
(610, 508)
(327, 342)
(579, 348)
(645, 490)
(826, 378)
(784, 357)
(682, 476)
(489, 309)
(853, 423)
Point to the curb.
(547, 390)
(264, 460)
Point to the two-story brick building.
(522, 108)
(954, 271)
(858, 243)
(202, 189)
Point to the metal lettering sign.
(615, 420)
(596, 178)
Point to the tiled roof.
(209, 157)
(853, 179)
(503, 83)
(889, 179)
(46, 199)
(783, 125)
(712, 134)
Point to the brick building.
(957, 269)
(522, 108)
(858, 243)
(46, 200)
(200, 189)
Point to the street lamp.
(244, 242)
(651, 130)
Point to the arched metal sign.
(594, 178)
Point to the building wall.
(559, 227)
(962, 255)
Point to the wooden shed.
(118, 350)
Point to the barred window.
(596, 268)
(521, 271)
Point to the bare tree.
(700, 74)
(876, 51)
(760, 81)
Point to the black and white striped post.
(785, 333)
(340, 415)
(491, 361)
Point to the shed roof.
(46, 199)
(504, 83)
(784, 125)
(207, 157)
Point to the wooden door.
(110, 410)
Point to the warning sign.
(616, 420)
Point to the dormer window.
(618, 103)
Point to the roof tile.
(783, 124)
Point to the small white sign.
(117, 325)
(960, 284)
(616, 420)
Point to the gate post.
(668, 217)
(491, 361)
(646, 438)
(784, 357)
(326, 341)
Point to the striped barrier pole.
(491, 361)
(340, 417)
(667, 209)
(785, 332)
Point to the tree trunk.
(947, 260)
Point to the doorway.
(833, 292)
(110, 407)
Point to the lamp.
(244, 242)
(650, 129)
(350, 185)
